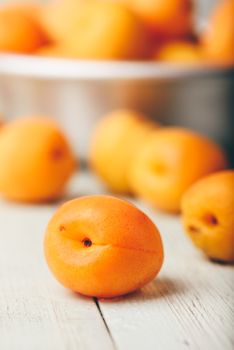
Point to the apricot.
(108, 30)
(31, 9)
(60, 17)
(54, 50)
(102, 246)
(208, 215)
(179, 52)
(170, 162)
(218, 38)
(35, 160)
(116, 140)
(166, 19)
(20, 32)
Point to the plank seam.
(105, 323)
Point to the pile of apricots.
(158, 30)
(105, 246)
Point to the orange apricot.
(208, 215)
(31, 9)
(171, 160)
(108, 30)
(59, 18)
(102, 246)
(166, 19)
(35, 160)
(218, 38)
(20, 32)
(54, 50)
(179, 52)
(116, 139)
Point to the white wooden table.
(189, 306)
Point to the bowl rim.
(48, 68)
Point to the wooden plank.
(190, 305)
(35, 311)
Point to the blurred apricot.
(218, 38)
(108, 30)
(31, 9)
(20, 31)
(60, 17)
(208, 215)
(116, 140)
(179, 52)
(35, 160)
(54, 50)
(102, 246)
(167, 19)
(171, 160)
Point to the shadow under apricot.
(159, 288)
(220, 262)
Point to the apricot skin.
(179, 52)
(170, 162)
(20, 31)
(102, 246)
(36, 160)
(116, 140)
(218, 39)
(208, 215)
(108, 31)
(166, 19)
(60, 16)
(52, 50)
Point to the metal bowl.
(79, 93)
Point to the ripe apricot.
(102, 246)
(117, 138)
(179, 52)
(31, 9)
(108, 30)
(218, 38)
(166, 19)
(60, 17)
(208, 215)
(54, 50)
(35, 160)
(20, 32)
(171, 161)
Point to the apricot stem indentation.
(193, 229)
(87, 242)
(210, 219)
(57, 154)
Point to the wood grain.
(190, 305)
(35, 311)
